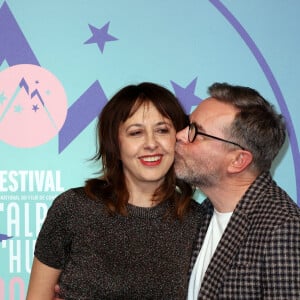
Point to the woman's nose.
(151, 141)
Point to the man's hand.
(57, 291)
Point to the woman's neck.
(142, 194)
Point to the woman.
(129, 234)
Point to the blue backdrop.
(60, 61)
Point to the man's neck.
(226, 195)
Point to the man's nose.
(182, 135)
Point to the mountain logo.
(33, 105)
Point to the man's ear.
(240, 161)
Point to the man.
(249, 244)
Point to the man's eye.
(201, 137)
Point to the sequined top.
(139, 256)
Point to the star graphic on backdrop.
(187, 95)
(35, 107)
(100, 36)
(2, 97)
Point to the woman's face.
(147, 142)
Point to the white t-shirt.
(213, 235)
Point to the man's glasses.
(193, 132)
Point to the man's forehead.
(211, 109)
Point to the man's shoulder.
(275, 208)
(278, 201)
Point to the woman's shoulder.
(71, 194)
(195, 208)
(73, 197)
(80, 193)
(195, 204)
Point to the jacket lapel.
(207, 210)
(227, 248)
(231, 241)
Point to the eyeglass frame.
(197, 132)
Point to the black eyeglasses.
(193, 132)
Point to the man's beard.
(194, 173)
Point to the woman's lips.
(151, 160)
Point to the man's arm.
(57, 291)
(283, 263)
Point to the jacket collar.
(233, 236)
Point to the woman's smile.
(151, 160)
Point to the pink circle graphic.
(33, 106)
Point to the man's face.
(203, 162)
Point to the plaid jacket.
(258, 256)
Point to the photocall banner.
(61, 61)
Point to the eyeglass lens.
(191, 132)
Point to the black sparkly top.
(139, 256)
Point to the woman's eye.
(163, 130)
(135, 133)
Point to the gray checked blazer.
(258, 256)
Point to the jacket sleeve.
(282, 259)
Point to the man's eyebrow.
(199, 127)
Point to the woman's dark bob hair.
(111, 187)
